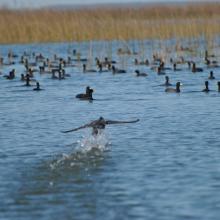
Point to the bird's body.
(174, 90)
(206, 87)
(87, 95)
(138, 73)
(99, 124)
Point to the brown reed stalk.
(157, 21)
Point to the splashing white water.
(90, 142)
(87, 150)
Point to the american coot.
(116, 70)
(38, 87)
(211, 75)
(11, 74)
(206, 87)
(167, 82)
(218, 83)
(196, 69)
(176, 90)
(85, 70)
(137, 72)
(87, 95)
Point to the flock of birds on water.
(55, 67)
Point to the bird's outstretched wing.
(91, 124)
(121, 122)
(95, 123)
(76, 129)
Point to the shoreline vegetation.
(148, 22)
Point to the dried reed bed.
(161, 22)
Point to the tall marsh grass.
(161, 22)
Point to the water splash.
(90, 142)
(88, 152)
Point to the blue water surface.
(165, 167)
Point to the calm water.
(167, 166)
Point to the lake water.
(165, 167)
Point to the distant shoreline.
(128, 4)
(154, 21)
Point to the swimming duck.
(26, 79)
(61, 74)
(211, 64)
(74, 52)
(100, 67)
(160, 71)
(1, 61)
(176, 90)
(29, 65)
(206, 87)
(211, 76)
(58, 68)
(208, 55)
(6, 64)
(156, 59)
(42, 69)
(69, 63)
(56, 58)
(189, 64)
(167, 82)
(136, 62)
(162, 66)
(23, 78)
(22, 60)
(147, 62)
(208, 62)
(115, 70)
(196, 69)
(106, 61)
(218, 83)
(53, 64)
(140, 74)
(39, 58)
(31, 72)
(97, 61)
(175, 67)
(12, 55)
(87, 95)
(11, 74)
(88, 70)
(38, 87)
